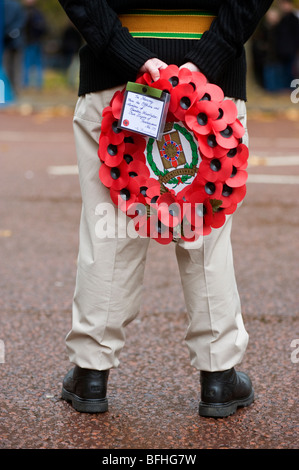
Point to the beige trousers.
(110, 272)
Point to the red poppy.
(182, 98)
(133, 153)
(162, 84)
(138, 169)
(211, 92)
(216, 169)
(116, 103)
(211, 218)
(185, 75)
(200, 117)
(151, 191)
(204, 212)
(192, 227)
(196, 79)
(169, 210)
(239, 156)
(171, 74)
(138, 212)
(231, 135)
(175, 76)
(135, 139)
(110, 153)
(109, 127)
(145, 79)
(227, 114)
(209, 147)
(114, 177)
(237, 178)
(232, 196)
(158, 231)
(126, 196)
(209, 189)
(218, 218)
(181, 195)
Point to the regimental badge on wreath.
(174, 159)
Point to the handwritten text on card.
(142, 114)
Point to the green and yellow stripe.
(169, 24)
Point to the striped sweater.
(112, 56)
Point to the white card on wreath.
(144, 110)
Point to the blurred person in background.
(287, 36)
(71, 42)
(35, 30)
(13, 44)
(268, 69)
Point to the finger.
(189, 65)
(154, 72)
(153, 67)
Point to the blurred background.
(39, 54)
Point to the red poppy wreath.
(185, 184)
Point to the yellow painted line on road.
(5, 233)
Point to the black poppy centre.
(112, 150)
(128, 158)
(174, 210)
(143, 190)
(211, 140)
(232, 153)
(234, 172)
(115, 173)
(154, 199)
(200, 210)
(160, 228)
(174, 81)
(202, 119)
(210, 188)
(206, 97)
(125, 194)
(220, 115)
(227, 132)
(226, 191)
(215, 164)
(185, 102)
(115, 129)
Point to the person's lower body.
(12, 63)
(275, 78)
(109, 287)
(33, 73)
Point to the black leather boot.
(86, 389)
(223, 392)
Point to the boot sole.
(222, 410)
(85, 405)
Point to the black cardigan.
(112, 56)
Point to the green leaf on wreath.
(215, 203)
